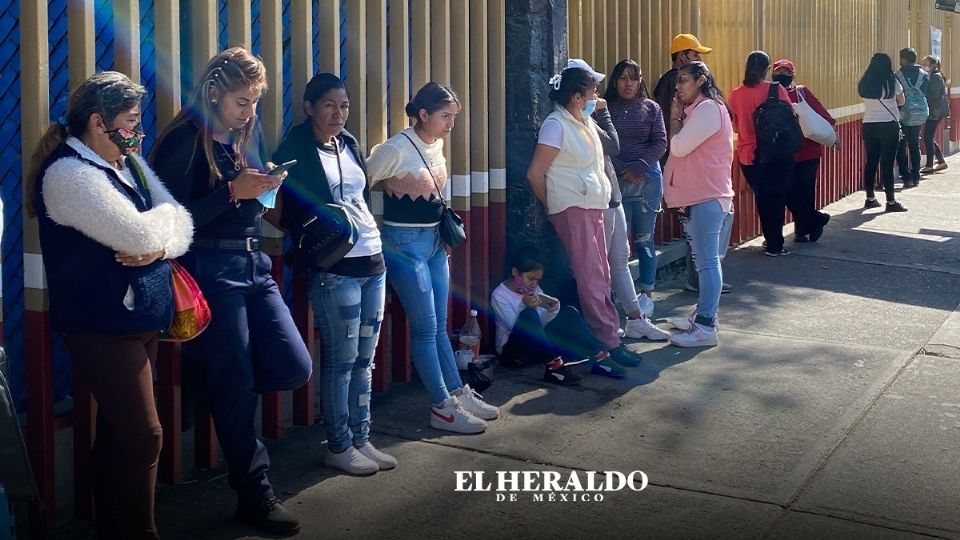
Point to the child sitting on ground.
(532, 328)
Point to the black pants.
(566, 336)
(804, 197)
(772, 185)
(880, 143)
(911, 142)
(929, 144)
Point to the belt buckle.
(250, 241)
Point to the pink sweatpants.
(581, 232)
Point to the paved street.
(831, 409)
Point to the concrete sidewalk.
(830, 409)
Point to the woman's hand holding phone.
(252, 183)
(531, 300)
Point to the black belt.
(250, 243)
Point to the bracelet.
(233, 195)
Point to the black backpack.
(778, 130)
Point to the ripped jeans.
(641, 213)
(347, 312)
(419, 274)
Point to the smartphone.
(280, 169)
(547, 301)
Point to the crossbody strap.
(895, 119)
(427, 165)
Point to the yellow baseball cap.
(683, 42)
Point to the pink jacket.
(701, 154)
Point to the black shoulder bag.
(452, 231)
(328, 235)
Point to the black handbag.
(328, 235)
(452, 231)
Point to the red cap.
(783, 63)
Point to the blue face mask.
(588, 109)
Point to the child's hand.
(531, 300)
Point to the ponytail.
(107, 93)
(55, 135)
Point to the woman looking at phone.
(209, 158)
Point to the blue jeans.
(251, 346)
(347, 312)
(707, 228)
(417, 264)
(641, 213)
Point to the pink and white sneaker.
(697, 335)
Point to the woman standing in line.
(348, 297)
(697, 181)
(809, 222)
(643, 140)
(107, 224)
(771, 181)
(209, 158)
(882, 94)
(414, 172)
(939, 109)
(567, 175)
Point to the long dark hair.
(758, 62)
(877, 81)
(232, 70)
(107, 93)
(572, 81)
(431, 98)
(611, 94)
(709, 89)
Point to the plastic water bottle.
(470, 335)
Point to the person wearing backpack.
(939, 109)
(881, 94)
(766, 154)
(913, 114)
(808, 224)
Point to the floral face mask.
(127, 140)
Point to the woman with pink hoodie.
(697, 182)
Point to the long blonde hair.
(234, 69)
(107, 93)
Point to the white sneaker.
(621, 332)
(643, 328)
(450, 416)
(350, 461)
(697, 336)
(384, 461)
(474, 404)
(681, 323)
(646, 304)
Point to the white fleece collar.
(87, 153)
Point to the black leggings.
(566, 336)
(880, 140)
(931, 148)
